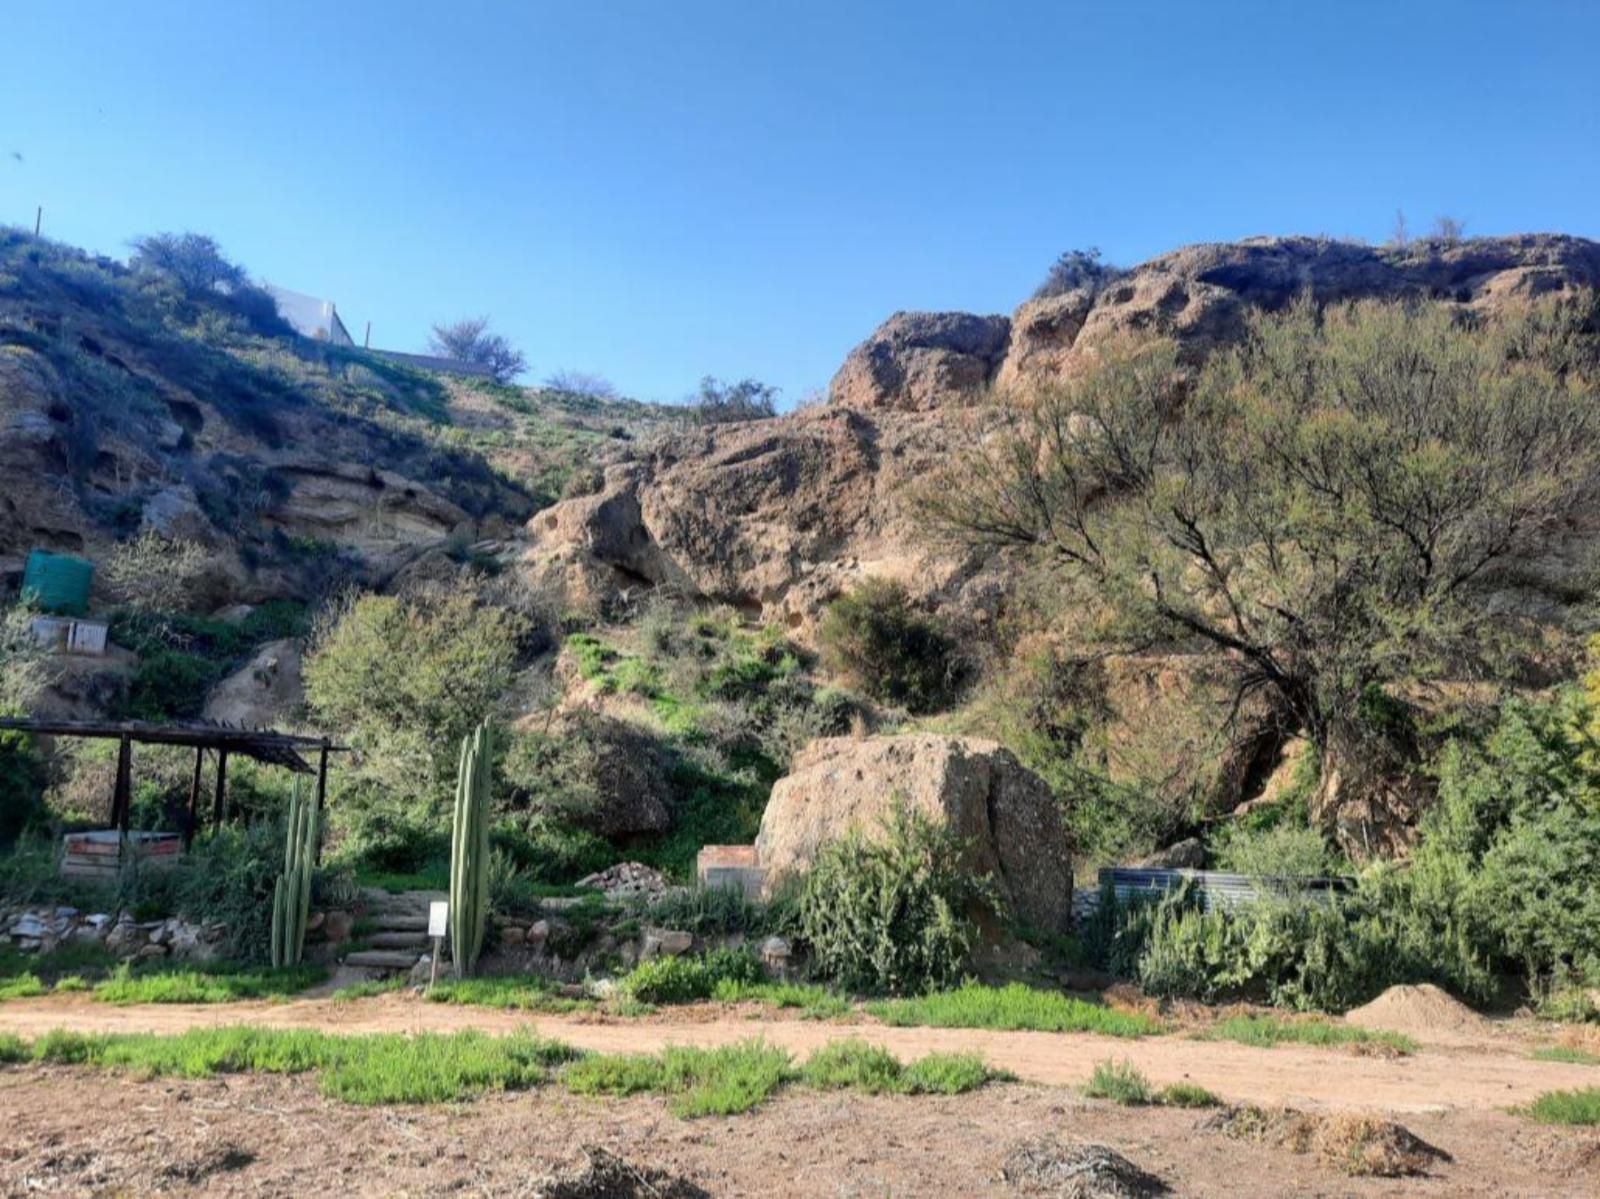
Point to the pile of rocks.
(627, 879)
(41, 929)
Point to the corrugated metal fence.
(1216, 888)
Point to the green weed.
(1567, 1053)
(1187, 1094)
(1121, 1083)
(1013, 1006)
(1567, 1107)
(206, 984)
(1267, 1031)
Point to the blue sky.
(660, 190)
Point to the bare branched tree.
(469, 340)
(582, 383)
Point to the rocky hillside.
(777, 517)
(125, 406)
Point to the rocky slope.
(123, 407)
(779, 516)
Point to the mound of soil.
(1424, 1012)
(607, 1176)
(1358, 1145)
(1076, 1170)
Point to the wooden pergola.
(264, 745)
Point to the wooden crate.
(100, 854)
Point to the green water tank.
(58, 583)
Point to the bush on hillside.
(1076, 269)
(878, 639)
(721, 403)
(892, 913)
(404, 679)
(1277, 522)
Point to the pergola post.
(122, 797)
(322, 797)
(194, 798)
(217, 802)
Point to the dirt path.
(1439, 1078)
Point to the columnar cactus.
(291, 895)
(469, 852)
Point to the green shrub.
(891, 914)
(176, 983)
(949, 1074)
(686, 978)
(722, 1081)
(1012, 1006)
(1119, 1082)
(1267, 1031)
(877, 638)
(1580, 1107)
(407, 679)
(853, 1063)
(1187, 1094)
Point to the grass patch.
(701, 1082)
(1266, 1031)
(27, 974)
(735, 1078)
(1567, 1053)
(812, 1001)
(518, 992)
(22, 986)
(375, 1069)
(1013, 1006)
(369, 989)
(206, 984)
(1187, 1094)
(1567, 1107)
(856, 1064)
(1121, 1083)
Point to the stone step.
(399, 940)
(400, 922)
(382, 959)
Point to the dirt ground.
(71, 1131)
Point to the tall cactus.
(291, 894)
(469, 852)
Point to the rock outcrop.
(262, 693)
(915, 361)
(1005, 812)
(775, 517)
(1201, 295)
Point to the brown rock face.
(774, 516)
(915, 361)
(1005, 812)
(262, 692)
(1200, 295)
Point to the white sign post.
(438, 926)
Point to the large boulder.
(1005, 812)
(921, 360)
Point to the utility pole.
(38, 219)
(366, 342)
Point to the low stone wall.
(41, 929)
